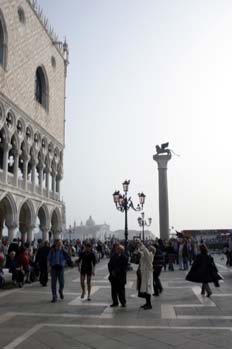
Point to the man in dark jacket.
(42, 260)
(117, 268)
(158, 263)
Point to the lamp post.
(123, 204)
(142, 223)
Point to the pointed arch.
(56, 220)
(10, 209)
(43, 215)
(26, 214)
(5, 130)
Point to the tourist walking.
(41, 260)
(86, 264)
(204, 271)
(117, 267)
(145, 274)
(56, 258)
(158, 262)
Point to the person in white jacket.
(145, 274)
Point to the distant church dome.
(90, 222)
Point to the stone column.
(23, 236)
(25, 171)
(16, 167)
(33, 174)
(54, 183)
(45, 231)
(29, 234)
(41, 178)
(47, 180)
(6, 149)
(56, 234)
(11, 232)
(162, 161)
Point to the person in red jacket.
(24, 262)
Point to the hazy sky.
(143, 72)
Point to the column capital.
(7, 146)
(40, 166)
(162, 160)
(26, 157)
(12, 225)
(15, 152)
(34, 162)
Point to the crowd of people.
(28, 263)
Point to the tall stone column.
(29, 234)
(45, 231)
(56, 234)
(162, 161)
(23, 236)
(11, 232)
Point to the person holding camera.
(145, 274)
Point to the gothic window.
(36, 138)
(41, 87)
(50, 148)
(28, 134)
(3, 41)
(19, 128)
(9, 120)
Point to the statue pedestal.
(162, 161)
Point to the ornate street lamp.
(142, 223)
(123, 204)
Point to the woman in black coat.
(117, 267)
(204, 271)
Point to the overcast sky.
(143, 72)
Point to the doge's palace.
(33, 67)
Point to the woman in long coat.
(117, 267)
(204, 271)
(145, 274)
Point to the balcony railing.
(21, 185)
(10, 178)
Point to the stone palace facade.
(33, 67)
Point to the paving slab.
(180, 317)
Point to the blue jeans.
(57, 275)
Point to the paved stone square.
(180, 317)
